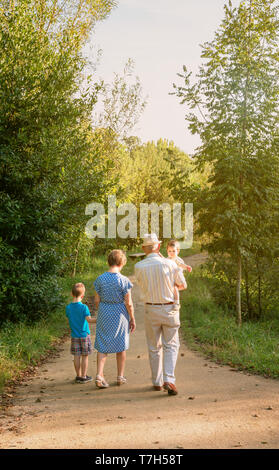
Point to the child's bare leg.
(84, 365)
(101, 360)
(121, 359)
(77, 365)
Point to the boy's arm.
(184, 266)
(88, 316)
(91, 319)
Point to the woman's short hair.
(116, 258)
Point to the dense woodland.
(58, 153)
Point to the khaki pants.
(161, 328)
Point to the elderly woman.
(115, 317)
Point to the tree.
(122, 103)
(71, 20)
(45, 152)
(104, 170)
(237, 103)
(146, 172)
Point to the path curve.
(216, 407)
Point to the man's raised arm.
(179, 279)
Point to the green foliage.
(47, 159)
(122, 103)
(145, 175)
(211, 328)
(236, 113)
(137, 173)
(24, 343)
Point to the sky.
(160, 36)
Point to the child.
(79, 316)
(173, 249)
(115, 317)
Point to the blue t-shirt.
(77, 313)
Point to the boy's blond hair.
(78, 289)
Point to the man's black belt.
(168, 303)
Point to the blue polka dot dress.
(112, 328)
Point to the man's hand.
(181, 286)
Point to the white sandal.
(100, 382)
(121, 380)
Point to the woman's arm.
(130, 309)
(97, 300)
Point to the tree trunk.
(248, 302)
(238, 291)
(76, 257)
(260, 295)
(243, 157)
(259, 290)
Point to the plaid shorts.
(81, 346)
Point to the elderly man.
(157, 277)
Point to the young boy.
(173, 249)
(79, 316)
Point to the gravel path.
(216, 407)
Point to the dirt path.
(216, 407)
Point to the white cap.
(150, 239)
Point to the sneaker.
(84, 380)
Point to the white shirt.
(156, 277)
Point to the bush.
(28, 288)
(213, 329)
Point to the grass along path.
(207, 328)
(24, 346)
(217, 407)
